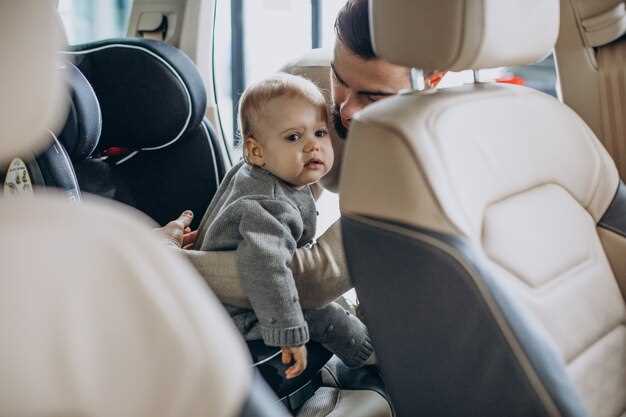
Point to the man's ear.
(254, 152)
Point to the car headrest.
(600, 21)
(120, 326)
(150, 93)
(463, 34)
(315, 66)
(81, 132)
(32, 91)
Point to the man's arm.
(319, 272)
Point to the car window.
(254, 38)
(540, 76)
(92, 20)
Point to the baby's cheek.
(296, 168)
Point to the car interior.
(142, 157)
(483, 222)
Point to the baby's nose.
(311, 145)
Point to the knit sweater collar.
(265, 175)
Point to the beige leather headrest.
(101, 319)
(463, 34)
(600, 21)
(315, 66)
(31, 99)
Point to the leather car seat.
(484, 226)
(591, 53)
(74, 141)
(81, 132)
(98, 317)
(157, 153)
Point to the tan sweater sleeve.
(319, 271)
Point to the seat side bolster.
(261, 401)
(612, 233)
(456, 300)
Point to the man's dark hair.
(353, 28)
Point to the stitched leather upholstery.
(590, 55)
(99, 317)
(153, 103)
(29, 80)
(435, 35)
(499, 190)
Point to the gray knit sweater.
(265, 220)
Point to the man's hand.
(189, 238)
(178, 233)
(295, 354)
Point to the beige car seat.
(97, 316)
(485, 226)
(591, 58)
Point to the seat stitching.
(68, 165)
(558, 275)
(167, 65)
(550, 283)
(596, 341)
(490, 306)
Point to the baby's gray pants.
(340, 332)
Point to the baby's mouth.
(314, 164)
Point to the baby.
(264, 208)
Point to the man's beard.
(342, 132)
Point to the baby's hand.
(295, 354)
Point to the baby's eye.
(320, 133)
(293, 137)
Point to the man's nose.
(348, 108)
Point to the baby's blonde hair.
(278, 85)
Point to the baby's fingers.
(295, 370)
(286, 356)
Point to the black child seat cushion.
(156, 152)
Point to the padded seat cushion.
(509, 181)
(150, 93)
(81, 133)
(157, 153)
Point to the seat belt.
(295, 400)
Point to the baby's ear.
(253, 151)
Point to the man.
(358, 78)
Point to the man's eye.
(294, 137)
(320, 133)
(372, 99)
(337, 79)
